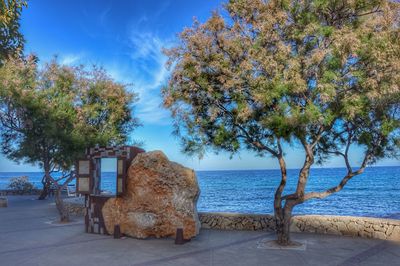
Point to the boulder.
(160, 197)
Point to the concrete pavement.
(28, 238)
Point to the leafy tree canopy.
(322, 74)
(318, 72)
(11, 40)
(51, 114)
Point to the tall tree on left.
(11, 39)
(50, 115)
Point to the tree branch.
(257, 143)
(343, 182)
(282, 165)
(346, 153)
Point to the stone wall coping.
(303, 216)
(236, 214)
(340, 217)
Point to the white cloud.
(148, 109)
(104, 16)
(147, 75)
(70, 59)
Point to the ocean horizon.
(375, 193)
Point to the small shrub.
(21, 185)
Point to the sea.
(375, 193)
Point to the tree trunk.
(64, 215)
(283, 219)
(46, 184)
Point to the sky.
(126, 37)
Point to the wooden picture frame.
(121, 176)
(84, 178)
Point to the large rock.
(160, 197)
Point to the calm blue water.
(375, 193)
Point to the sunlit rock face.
(160, 197)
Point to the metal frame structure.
(88, 181)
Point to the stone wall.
(75, 206)
(347, 225)
(237, 221)
(322, 224)
(388, 229)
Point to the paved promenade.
(28, 238)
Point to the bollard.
(3, 202)
(117, 231)
(179, 240)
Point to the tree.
(51, 115)
(323, 75)
(11, 39)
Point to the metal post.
(179, 240)
(117, 231)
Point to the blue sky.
(126, 38)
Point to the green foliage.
(11, 40)
(21, 185)
(51, 115)
(321, 73)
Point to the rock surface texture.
(237, 221)
(387, 229)
(160, 197)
